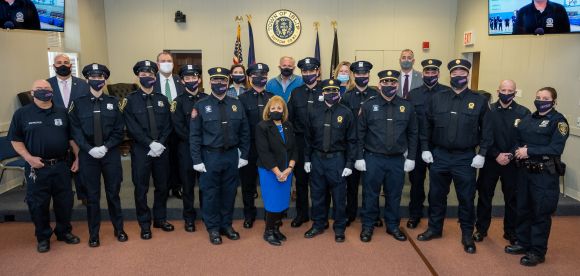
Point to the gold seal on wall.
(283, 27)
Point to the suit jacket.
(178, 86)
(272, 151)
(417, 80)
(79, 88)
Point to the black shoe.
(94, 242)
(366, 235)
(298, 221)
(531, 259)
(177, 193)
(121, 235)
(230, 233)
(249, 223)
(146, 234)
(515, 249)
(189, 226)
(397, 234)
(215, 238)
(69, 238)
(339, 237)
(512, 238)
(326, 225)
(413, 222)
(164, 225)
(279, 234)
(379, 223)
(468, 245)
(428, 235)
(43, 246)
(271, 238)
(479, 236)
(313, 232)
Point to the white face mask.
(166, 67)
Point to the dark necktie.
(327, 129)
(390, 125)
(260, 105)
(310, 101)
(98, 130)
(406, 87)
(224, 122)
(152, 124)
(452, 130)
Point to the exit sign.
(468, 38)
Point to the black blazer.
(272, 151)
(178, 86)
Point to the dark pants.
(175, 182)
(249, 178)
(327, 176)
(188, 178)
(352, 184)
(142, 168)
(486, 182)
(386, 172)
(219, 185)
(80, 186)
(52, 181)
(302, 179)
(537, 200)
(110, 167)
(417, 194)
(452, 166)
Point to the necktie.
(98, 130)
(452, 130)
(168, 90)
(406, 87)
(260, 105)
(224, 121)
(390, 125)
(65, 93)
(152, 124)
(327, 129)
(310, 101)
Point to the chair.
(25, 98)
(120, 90)
(9, 159)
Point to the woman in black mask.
(238, 81)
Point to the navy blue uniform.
(419, 97)
(254, 104)
(183, 106)
(554, 19)
(331, 147)
(141, 129)
(218, 130)
(82, 114)
(386, 129)
(503, 123)
(46, 134)
(453, 129)
(539, 188)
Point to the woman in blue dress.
(277, 155)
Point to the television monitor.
(44, 15)
(535, 17)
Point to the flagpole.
(335, 59)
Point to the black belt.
(53, 161)
(383, 154)
(456, 151)
(222, 149)
(328, 155)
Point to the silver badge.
(544, 123)
(375, 107)
(189, 67)
(57, 122)
(19, 17)
(110, 106)
(549, 22)
(321, 98)
(147, 63)
(160, 104)
(95, 66)
(260, 66)
(360, 65)
(307, 61)
(208, 109)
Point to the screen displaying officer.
(98, 128)
(148, 121)
(387, 128)
(19, 14)
(542, 17)
(218, 130)
(182, 109)
(40, 133)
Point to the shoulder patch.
(563, 128)
(71, 107)
(173, 106)
(122, 104)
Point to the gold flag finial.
(239, 19)
(316, 25)
(249, 17)
(333, 23)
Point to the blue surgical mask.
(343, 77)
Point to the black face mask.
(458, 82)
(506, 98)
(147, 82)
(389, 91)
(276, 115)
(430, 80)
(63, 70)
(259, 81)
(361, 81)
(97, 85)
(191, 85)
(44, 95)
(238, 79)
(286, 72)
(331, 98)
(309, 79)
(543, 106)
(219, 88)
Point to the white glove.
(157, 148)
(200, 167)
(96, 153)
(427, 156)
(346, 172)
(242, 163)
(307, 167)
(153, 154)
(406, 153)
(360, 165)
(409, 165)
(478, 161)
(103, 150)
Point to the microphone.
(8, 25)
(539, 31)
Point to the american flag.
(238, 49)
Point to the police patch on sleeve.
(173, 106)
(122, 104)
(563, 128)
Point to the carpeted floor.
(182, 253)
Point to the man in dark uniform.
(301, 103)
(19, 14)
(503, 117)
(40, 134)
(98, 128)
(254, 101)
(453, 129)
(331, 147)
(218, 130)
(148, 120)
(419, 97)
(387, 128)
(354, 99)
(542, 17)
(181, 109)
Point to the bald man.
(40, 133)
(283, 84)
(504, 116)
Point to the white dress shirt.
(65, 93)
(162, 81)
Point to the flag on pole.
(335, 60)
(238, 48)
(317, 47)
(251, 53)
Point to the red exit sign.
(468, 38)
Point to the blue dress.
(276, 194)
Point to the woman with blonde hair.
(344, 75)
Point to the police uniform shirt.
(544, 135)
(342, 134)
(137, 118)
(301, 101)
(206, 128)
(387, 127)
(81, 114)
(420, 97)
(182, 108)
(250, 103)
(455, 122)
(44, 132)
(353, 99)
(503, 123)
(554, 19)
(22, 14)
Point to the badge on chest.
(57, 122)
(160, 104)
(544, 123)
(109, 106)
(208, 109)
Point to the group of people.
(326, 135)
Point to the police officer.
(303, 100)
(19, 14)
(541, 140)
(419, 97)
(387, 128)
(148, 120)
(329, 156)
(98, 128)
(219, 129)
(503, 117)
(181, 110)
(453, 129)
(39, 133)
(542, 17)
(354, 99)
(254, 100)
